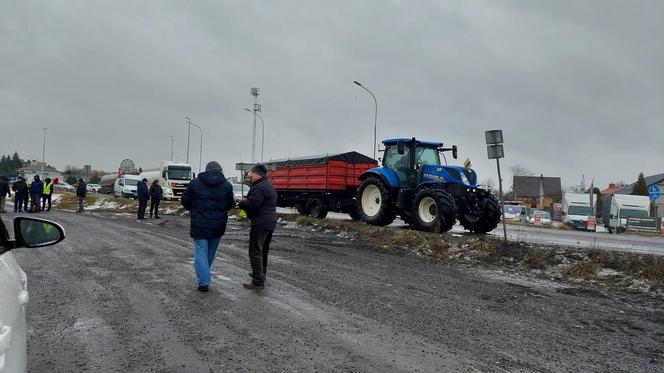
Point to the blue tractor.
(414, 185)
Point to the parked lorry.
(120, 186)
(577, 209)
(618, 208)
(319, 184)
(413, 184)
(174, 177)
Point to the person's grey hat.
(260, 170)
(213, 166)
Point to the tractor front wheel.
(480, 214)
(374, 202)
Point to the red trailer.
(316, 185)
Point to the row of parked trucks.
(617, 209)
(172, 176)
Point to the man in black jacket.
(208, 198)
(143, 196)
(261, 207)
(156, 195)
(81, 192)
(20, 189)
(4, 192)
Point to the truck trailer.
(319, 184)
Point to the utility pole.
(257, 108)
(188, 136)
(262, 133)
(171, 147)
(375, 115)
(44, 152)
(200, 154)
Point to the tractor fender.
(388, 176)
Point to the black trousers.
(154, 206)
(18, 202)
(142, 205)
(46, 198)
(259, 247)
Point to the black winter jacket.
(261, 205)
(208, 197)
(142, 192)
(4, 188)
(81, 190)
(20, 188)
(156, 193)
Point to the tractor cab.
(415, 162)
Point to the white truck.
(577, 209)
(174, 177)
(622, 207)
(120, 186)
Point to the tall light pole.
(200, 154)
(171, 147)
(188, 136)
(375, 115)
(44, 152)
(257, 108)
(262, 132)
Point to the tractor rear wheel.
(482, 215)
(434, 210)
(374, 202)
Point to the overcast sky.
(576, 86)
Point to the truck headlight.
(168, 191)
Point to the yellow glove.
(242, 214)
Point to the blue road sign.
(654, 192)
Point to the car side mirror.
(31, 232)
(401, 148)
(454, 151)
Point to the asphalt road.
(120, 296)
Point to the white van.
(577, 209)
(125, 186)
(625, 206)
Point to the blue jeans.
(204, 251)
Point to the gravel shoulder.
(118, 295)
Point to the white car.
(28, 232)
(240, 192)
(94, 188)
(63, 185)
(545, 218)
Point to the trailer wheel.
(317, 209)
(482, 215)
(374, 202)
(434, 210)
(302, 208)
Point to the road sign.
(592, 223)
(654, 192)
(538, 219)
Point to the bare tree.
(519, 170)
(489, 182)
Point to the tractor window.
(427, 156)
(397, 162)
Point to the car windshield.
(579, 210)
(632, 213)
(240, 188)
(131, 182)
(175, 173)
(428, 156)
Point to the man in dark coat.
(261, 207)
(208, 198)
(4, 192)
(143, 197)
(81, 192)
(36, 189)
(20, 189)
(156, 195)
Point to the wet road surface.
(120, 296)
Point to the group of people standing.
(154, 194)
(209, 197)
(38, 194)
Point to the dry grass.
(586, 269)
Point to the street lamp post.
(262, 133)
(44, 153)
(171, 147)
(200, 154)
(375, 115)
(188, 136)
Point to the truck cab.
(623, 207)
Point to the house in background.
(526, 190)
(32, 168)
(612, 188)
